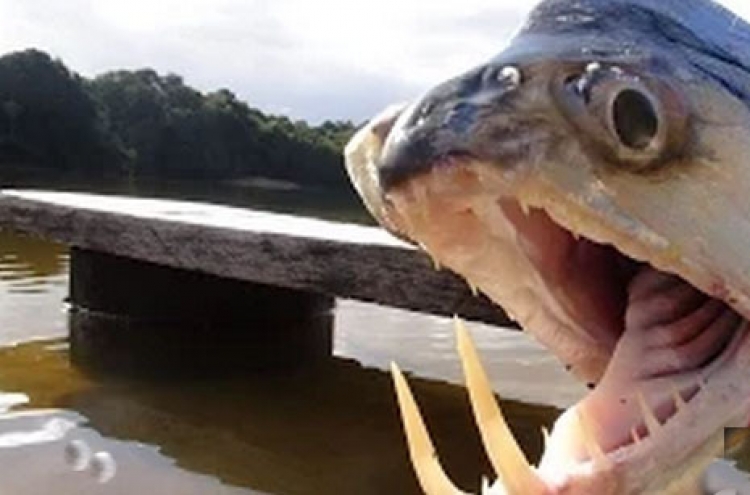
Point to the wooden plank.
(336, 259)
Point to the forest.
(148, 125)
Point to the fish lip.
(393, 174)
(414, 149)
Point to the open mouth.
(656, 350)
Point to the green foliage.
(47, 119)
(144, 124)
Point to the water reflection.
(330, 430)
(334, 430)
(33, 284)
(31, 260)
(37, 461)
(518, 367)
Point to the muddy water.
(329, 431)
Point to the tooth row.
(653, 425)
(679, 402)
(515, 475)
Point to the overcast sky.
(312, 59)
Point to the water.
(335, 430)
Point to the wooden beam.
(327, 258)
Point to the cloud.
(316, 60)
(311, 59)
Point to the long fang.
(426, 464)
(509, 461)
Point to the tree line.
(143, 124)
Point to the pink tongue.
(671, 329)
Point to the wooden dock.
(153, 273)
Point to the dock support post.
(133, 317)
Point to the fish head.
(592, 180)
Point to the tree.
(151, 125)
(48, 115)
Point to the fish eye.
(634, 122)
(634, 129)
(634, 119)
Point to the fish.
(592, 179)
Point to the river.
(331, 430)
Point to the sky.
(308, 59)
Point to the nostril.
(469, 84)
(507, 77)
(425, 111)
(490, 75)
(421, 113)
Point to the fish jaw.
(601, 474)
(684, 219)
(569, 465)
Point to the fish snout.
(442, 126)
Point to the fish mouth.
(662, 346)
(649, 343)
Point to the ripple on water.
(331, 430)
(519, 368)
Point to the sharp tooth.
(436, 263)
(652, 423)
(545, 437)
(492, 489)
(486, 487)
(474, 290)
(592, 446)
(510, 463)
(525, 208)
(430, 473)
(677, 397)
(634, 434)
